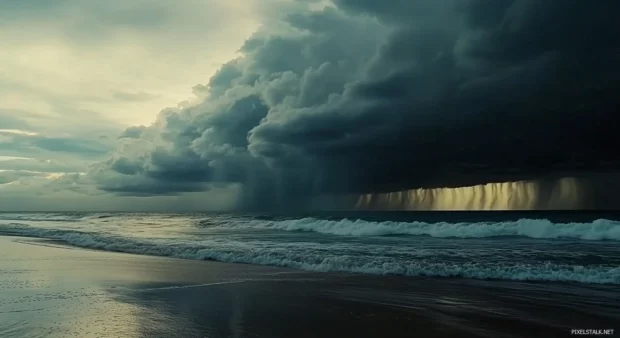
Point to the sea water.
(564, 247)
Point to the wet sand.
(50, 290)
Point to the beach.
(48, 289)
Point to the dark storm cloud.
(382, 96)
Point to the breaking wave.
(601, 229)
(323, 260)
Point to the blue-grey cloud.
(10, 119)
(133, 132)
(42, 165)
(369, 96)
(28, 144)
(70, 145)
(11, 176)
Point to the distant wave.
(601, 229)
(598, 230)
(53, 217)
(325, 260)
(47, 217)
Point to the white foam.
(598, 230)
(324, 260)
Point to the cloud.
(10, 176)
(70, 145)
(10, 132)
(10, 121)
(9, 163)
(328, 99)
(133, 132)
(25, 143)
(35, 191)
(365, 97)
(111, 57)
(72, 84)
(138, 96)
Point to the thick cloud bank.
(377, 96)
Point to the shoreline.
(601, 275)
(66, 244)
(94, 293)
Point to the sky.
(294, 104)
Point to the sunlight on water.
(524, 195)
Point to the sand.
(51, 290)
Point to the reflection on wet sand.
(366, 306)
(53, 292)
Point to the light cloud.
(106, 57)
(137, 96)
(17, 132)
(80, 72)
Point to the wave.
(45, 217)
(325, 260)
(598, 230)
(601, 229)
(56, 217)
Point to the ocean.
(573, 247)
(348, 274)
